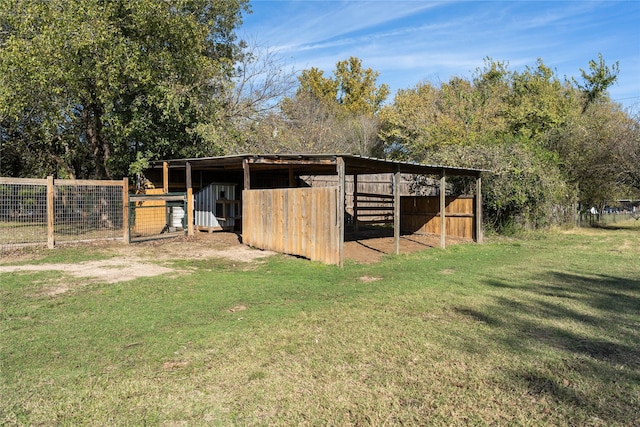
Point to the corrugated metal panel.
(205, 206)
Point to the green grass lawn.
(539, 330)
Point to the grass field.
(538, 330)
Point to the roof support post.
(165, 177)
(190, 229)
(341, 169)
(247, 174)
(479, 231)
(396, 211)
(443, 206)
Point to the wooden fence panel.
(421, 214)
(296, 221)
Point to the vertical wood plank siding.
(296, 221)
(421, 214)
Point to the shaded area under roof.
(315, 164)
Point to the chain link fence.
(48, 211)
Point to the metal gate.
(157, 216)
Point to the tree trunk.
(92, 115)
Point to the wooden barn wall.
(296, 221)
(421, 214)
(371, 184)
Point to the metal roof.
(316, 164)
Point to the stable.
(276, 202)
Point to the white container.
(177, 215)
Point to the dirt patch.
(105, 271)
(371, 249)
(369, 279)
(200, 246)
(129, 262)
(174, 364)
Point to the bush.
(524, 188)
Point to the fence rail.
(49, 211)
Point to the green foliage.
(546, 151)
(352, 87)
(357, 89)
(139, 165)
(313, 82)
(596, 83)
(599, 150)
(524, 187)
(86, 84)
(333, 114)
(537, 103)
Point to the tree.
(599, 152)
(248, 120)
(314, 83)
(495, 121)
(336, 114)
(85, 84)
(597, 81)
(409, 124)
(627, 153)
(524, 188)
(459, 112)
(538, 102)
(357, 90)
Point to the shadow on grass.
(568, 326)
(614, 226)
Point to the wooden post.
(443, 219)
(50, 213)
(125, 209)
(247, 174)
(355, 203)
(165, 177)
(341, 169)
(396, 211)
(479, 232)
(189, 184)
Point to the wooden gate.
(296, 221)
(154, 216)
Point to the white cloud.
(409, 41)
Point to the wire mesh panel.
(23, 212)
(157, 216)
(87, 212)
(37, 211)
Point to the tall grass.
(542, 330)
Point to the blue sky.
(409, 42)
